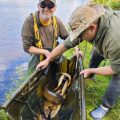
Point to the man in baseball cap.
(100, 26)
(40, 32)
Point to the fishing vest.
(38, 36)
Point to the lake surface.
(13, 60)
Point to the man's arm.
(107, 70)
(38, 51)
(27, 34)
(56, 52)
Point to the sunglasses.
(49, 5)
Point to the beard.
(44, 16)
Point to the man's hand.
(78, 52)
(43, 64)
(106, 70)
(86, 72)
(56, 52)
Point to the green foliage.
(115, 4)
(3, 115)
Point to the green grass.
(3, 115)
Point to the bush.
(115, 4)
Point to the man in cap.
(41, 31)
(100, 26)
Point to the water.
(12, 56)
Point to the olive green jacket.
(107, 40)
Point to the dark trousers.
(113, 90)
